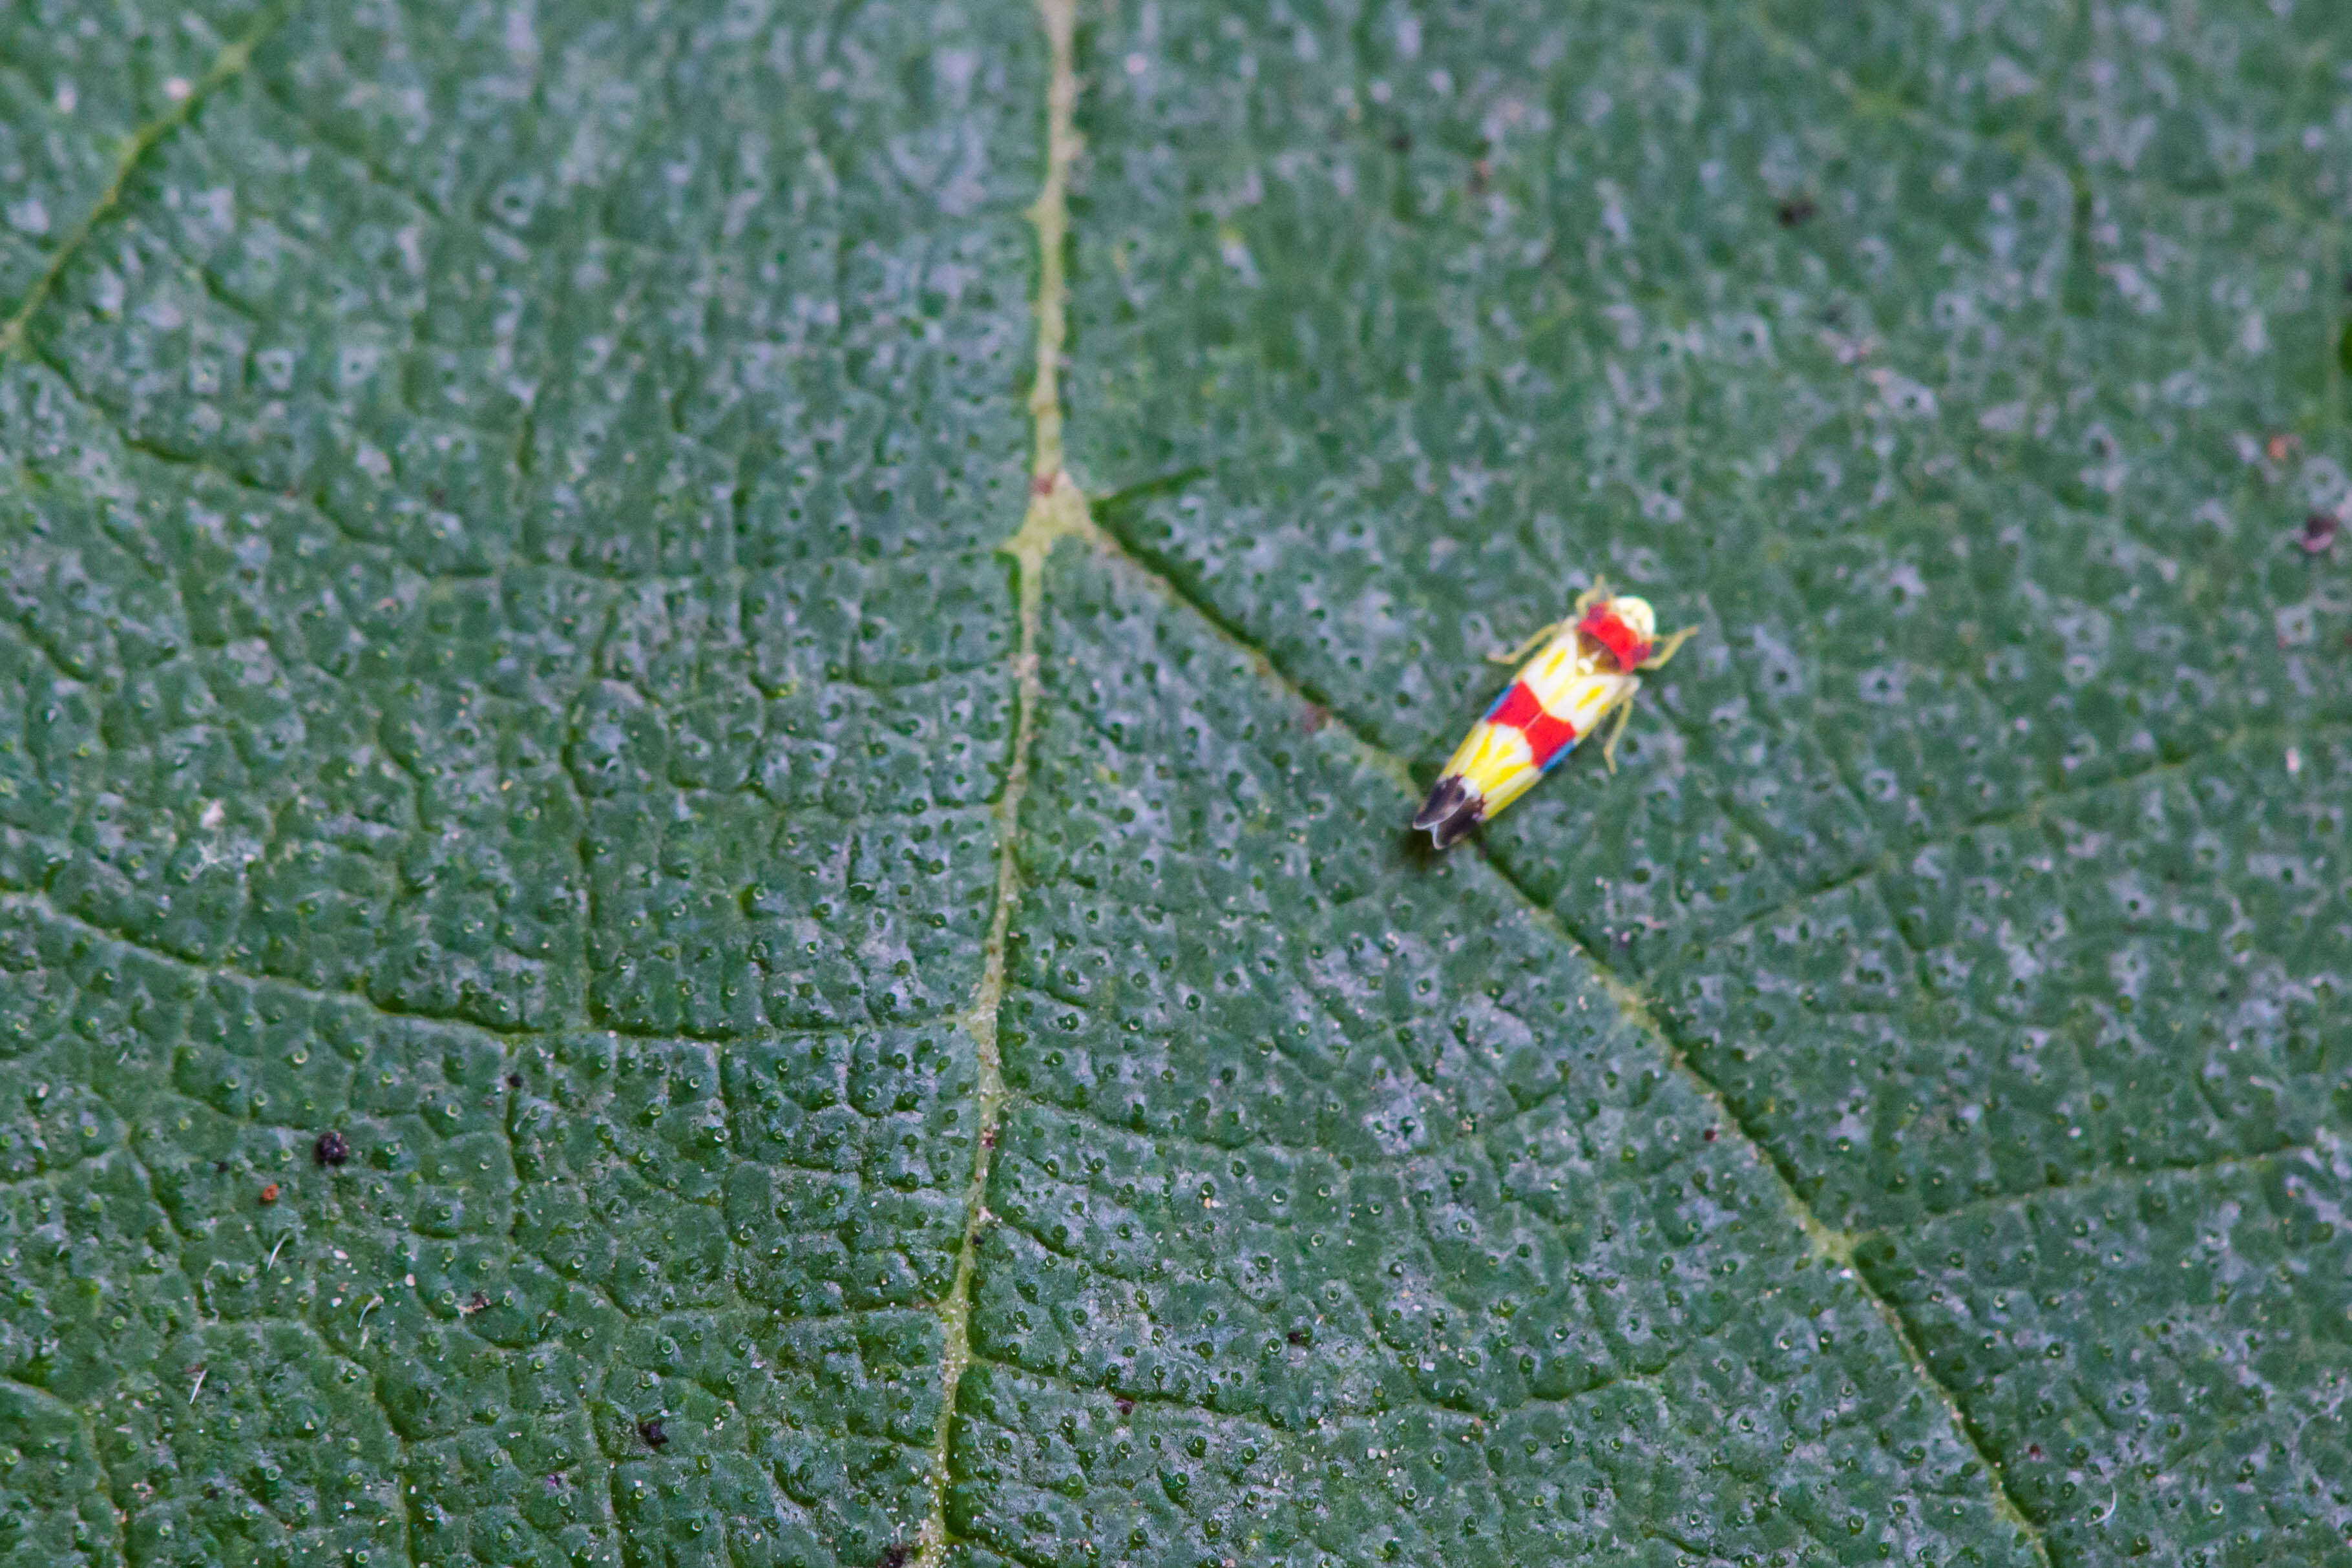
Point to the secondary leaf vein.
(226, 66)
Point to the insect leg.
(1623, 710)
(1667, 649)
(1585, 601)
(1536, 639)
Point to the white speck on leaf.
(2005, 79)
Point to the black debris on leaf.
(651, 1431)
(1126, 1406)
(1797, 212)
(898, 1557)
(2319, 532)
(479, 1301)
(332, 1148)
(1298, 1336)
(514, 1080)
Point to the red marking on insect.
(1547, 737)
(1625, 646)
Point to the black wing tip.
(1449, 813)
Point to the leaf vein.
(230, 64)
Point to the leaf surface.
(859, 1043)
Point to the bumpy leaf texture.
(508, 661)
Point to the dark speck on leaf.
(1298, 1336)
(332, 1148)
(479, 1301)
(1401, 142)
(555, 1481)
(1126, 1406)
(1797, 212)
(988, 1138)
(651, 1431)
(2032, 1450)
(514, 1080)
(2319, 532)
(1709, 1134)
(898, 1557)
(211, 1490)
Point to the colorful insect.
(1581, 673)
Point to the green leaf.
(510, 666)
(881, 1012)
(1966, 380)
